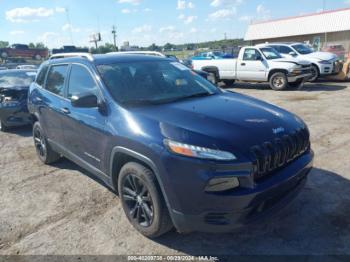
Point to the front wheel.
(142, 200)
(42, 147)
(315, 74)
(278, 81)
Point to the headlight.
(197, 151)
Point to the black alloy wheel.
(138, 200)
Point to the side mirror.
(86, 100)
(292, 53)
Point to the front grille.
(275, 154)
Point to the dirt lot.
(61, 210)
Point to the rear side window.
(56, 78)
(41, 76)
(80, 82)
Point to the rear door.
(50, 109)
(84, 128)
(251, 67)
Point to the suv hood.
(226, 121)
(320, 56)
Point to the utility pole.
(114, 33)
(225, 36)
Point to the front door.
(84, 128)
(252, 67)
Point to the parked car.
(211, 55)
(258, 64)
(187, 63)
(180, 151)
(3, 68)
(33, 67)
(14, 85)
(322, 63)
(23, 51)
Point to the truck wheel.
(228, 83)
(43, 149)
(213, 78)
(297, 84)
(278, 81)
(142, 200)
(315, 74)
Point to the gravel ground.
(60, 210)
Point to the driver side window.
(80, 81)
(251, 55)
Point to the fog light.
(222, 184)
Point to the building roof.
(323, 22)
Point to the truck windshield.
(303, 49)
(10, 79)
(270, 53)
(153, 82)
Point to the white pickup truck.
(258, 64)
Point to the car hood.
(320, 55)
(227, 121)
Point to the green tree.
(4, 44)
(153, 47)
(31, 45)
(169, 46)
(40, 45)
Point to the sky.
(142, 22)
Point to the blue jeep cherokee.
(178, 150)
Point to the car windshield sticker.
(31, 73)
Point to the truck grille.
(275, 154)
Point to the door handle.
(65, 111)
(242, 64)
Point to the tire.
(315, 73)
(3, 127)
(142, 201)
(228, 83)
(297, 84)
(278, 81)
(42, 147)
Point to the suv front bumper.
(222, 212)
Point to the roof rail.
(66, 55)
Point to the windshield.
(153, 82)
(270, 53)
(218, 53)
(10, 79)
(303, 49)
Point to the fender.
(142, 158)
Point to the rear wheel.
(142, 200)
(212, 78)
(37, 57)
(4, 55)
(278, 81)
(315, 74)
(42, 147)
